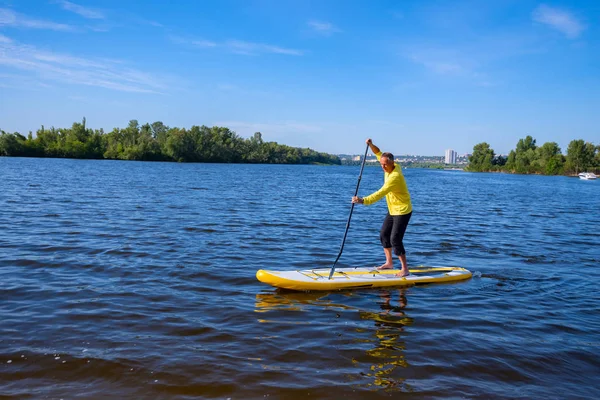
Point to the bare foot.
(402, 273)
(385, 266)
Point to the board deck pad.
(359, 277)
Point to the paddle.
(351, 209)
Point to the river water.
(137, 280)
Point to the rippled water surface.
(137, 280)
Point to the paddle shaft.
(349, 217)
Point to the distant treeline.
(157, 142)
(404, 164)
(528, 158)
(410, 164)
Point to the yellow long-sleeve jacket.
(395, 191)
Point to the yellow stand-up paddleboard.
(355, 278)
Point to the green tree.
(580, 156)
(526, 144)
(95, 146)
(481, 159)
(48, 141)
(114, 144)
(181, 146)
(147, 147)
(525, 155)
(160, 133)
(548, 159)
(11, 144)
(555, 165)
(32, 147)
(511, 162)
(156, 142)
(255, 149)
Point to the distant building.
(451, 156)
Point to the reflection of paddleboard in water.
(355, 278)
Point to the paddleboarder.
(396, 194)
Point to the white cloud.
(11, 18)
(99, 28)
(202, 43)
(64, 68)
(558, 19)
(153, 23)
(249, 48)
(440, 61)
(21, 82)
(454, 64)
(474, 59)
(81, 10)
(236, 46)
(324, 28)
(143, 21)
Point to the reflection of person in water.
(388, 353)
(386, 304)
(378, 362)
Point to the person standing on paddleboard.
(396, 194)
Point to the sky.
(418, 77)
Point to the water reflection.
(391, 314)
(388, 351)
(287, 300)
(378, 343)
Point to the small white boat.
(587, 176)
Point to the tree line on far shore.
(528, 158)
(156, 142)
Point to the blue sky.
(418, 77)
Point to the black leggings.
(392, 232)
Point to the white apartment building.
(451, 156)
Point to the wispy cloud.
(191, 41)
(441, 67)
(21, 82)
(561, 20)
(99, 28)
(64, 68)
(81, 10)
(236, 46)
(454, 64)
(10, 18)
(475, 59)
(249, 48)
(203, 43)
(143, 21)
(323, 28)
(440, 61)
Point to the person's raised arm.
(374, 148)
